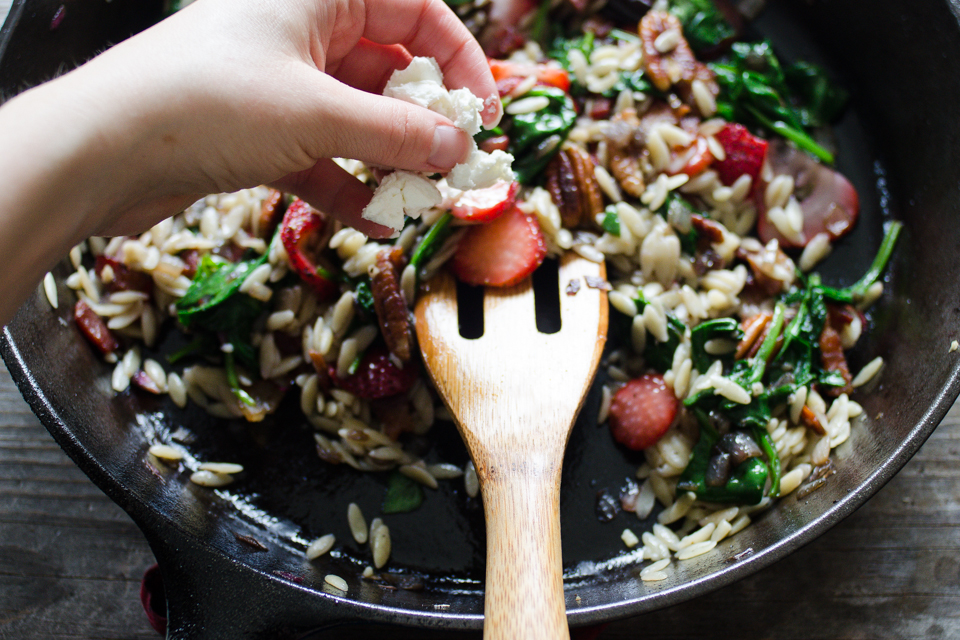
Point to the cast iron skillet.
(233, 561)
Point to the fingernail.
(450, 147)
(492, 111)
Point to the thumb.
(383, 131)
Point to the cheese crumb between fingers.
(410, 193)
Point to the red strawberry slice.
(744, 153)
(500, 253)
(484, 205)
(642, 411)
(377, 376)
(548, 74)
(301, 233)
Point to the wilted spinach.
(536, 137)
(755, 90)
(704, 26)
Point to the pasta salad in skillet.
(696, 163)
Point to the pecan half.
(668, 60)
(625, 152)
(392, 311)
(572, 184)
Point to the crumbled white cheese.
(421, 83)
(399, 193)
(481, 170)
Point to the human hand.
(228, 94)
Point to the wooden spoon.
(514, 394)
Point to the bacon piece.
(123, 277)
(94, 328)
(832, 359)
(810, 420)
(753, 329)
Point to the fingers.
(369, 65)
(334, 191)
(346, 122)
(430, 28)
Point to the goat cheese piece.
(481, 170)
(421, 83)
(399, 193)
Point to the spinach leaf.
(403, 494)
(823, 100)
(364, 295)
(214, 299)
(746, 482)
(674, 208)
(215, 306)
(536, 137)
(611, 221)
(755, 90)
(432, 241)
(659, 355)
(704, 26)
(718, 328)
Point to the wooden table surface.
(71, 560)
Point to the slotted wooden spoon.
(514, 394)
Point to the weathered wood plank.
(71, 560)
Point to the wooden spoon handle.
(524, 583)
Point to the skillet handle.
(211, 596)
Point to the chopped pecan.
(625, 167)
(707, 228)
(573, 186)
(709, 233)
(392, 311)
(271, 213)
(675, 62)
(395, 416)
(752, 330)
(832, 358)
(810, 420)
(773, 270)
(702, 73)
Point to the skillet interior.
(288, 493)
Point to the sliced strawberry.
(692, 160)
(301, 233)
(642, 411)
(548, 74)
(377, 376)
(484, 205)
(495, 143)
(94, 328)
(500, 253)
(744, 153)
